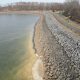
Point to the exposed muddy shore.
(37, 69)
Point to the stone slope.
(59, 48)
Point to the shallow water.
(16, 32)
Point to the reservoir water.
(16, 50)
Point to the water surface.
(15, 42)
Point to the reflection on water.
(16, 56)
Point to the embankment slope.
(59, 48)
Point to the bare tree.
(72, 9)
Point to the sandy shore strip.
(37, 69)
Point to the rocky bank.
(59, 48)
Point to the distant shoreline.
(22, 12)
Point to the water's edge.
(38, 62)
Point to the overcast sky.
(3, 2)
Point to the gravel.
(60, 48)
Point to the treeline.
(72, 9)
(32, 6)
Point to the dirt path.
(73, 26)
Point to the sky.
(4, 2)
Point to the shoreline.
(37, 13)
(35, 69)
(27, 70)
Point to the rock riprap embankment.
(60, 49)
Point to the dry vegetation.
(32, 6)
(72, 10)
